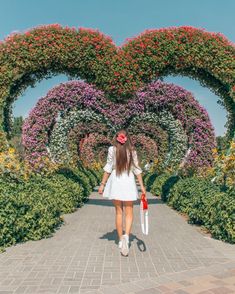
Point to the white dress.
(122, 187)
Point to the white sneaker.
(120, 244)
(125, 245)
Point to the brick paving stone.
(63, 289)
(221, 290)
(21, 289)
(110, 290)
(129, 287)
(180, 291)
(83, 256)
(149, 291)
(185, 283)
(74, 289)
(31, 289)
(174, 285)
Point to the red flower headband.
(121, 138)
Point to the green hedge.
(92, 175)
(93, 179)
(78, 176)
(145, 177)
(149, 180)
(99, 173)
(158, 183)
(167, 184)
(31, 210)
(205, 205)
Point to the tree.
(17, 126)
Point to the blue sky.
(121, 19)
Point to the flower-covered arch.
(153, 132)
(58, 145)
(177, 136)
(94, 147)
(147, 148)
(80, 132)
(153, 98)
(119, 71)
(91, 147)
(150, 139)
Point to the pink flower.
(121, 138)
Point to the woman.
(122, 165)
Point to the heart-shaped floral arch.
(151, 141)
(92, 148)
(119, 71)
(145, 132)
(58, 146)
(152, 99)
(177, 137)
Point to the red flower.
(121, 138)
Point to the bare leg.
(129, 216)
(119, 212)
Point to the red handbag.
(144, 214)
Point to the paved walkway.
(83, 256)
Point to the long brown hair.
(124, 157)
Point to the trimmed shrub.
(77, 176)
(150, 180)
(205, 205)
(31, 210)
(167, 185)
(157, 183)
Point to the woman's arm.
(103, 182)
(140, 180)
(107, 170)
(138, 172)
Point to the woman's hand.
(143, 190)
(101, 189)
(103, 182)
(140, 180)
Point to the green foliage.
(149, 180)
(205, 205)
(4, 145)
(94, 176)
(90, 174)
(31, 210)
(77, 176)
(15, 139)
(27, 212)
(158, 182)
(222, 143)
(145, 176)
(99, 174)
(167, 185)
(17, 126)
(69, 193)
(204, 202)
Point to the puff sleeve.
(109, 164)
(136, 168)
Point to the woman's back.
(112, 160)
